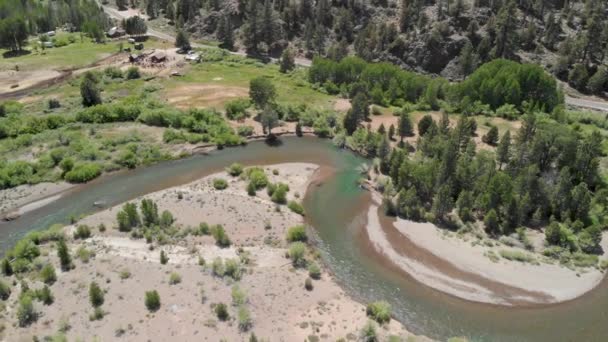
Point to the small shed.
(158, 57)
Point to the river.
(337, 208)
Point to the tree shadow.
(16, 53)
(273, 140)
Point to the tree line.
(546, 174)
(19, 19)
(495, 84)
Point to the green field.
(80, 53)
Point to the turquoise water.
(336, 208)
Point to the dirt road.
(116, 14)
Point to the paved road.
(589, 104)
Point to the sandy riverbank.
(24, 198)
(460, 268)
(281, 308)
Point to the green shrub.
(82, 173)
(233, 269)
(279, 195)
(64, 255)
(245, 131)
(237, 109)
(25, 249)
(82, 232)
(164, 259)
(174, 279)
(25, 311)
(235, 169)
(152, 300)
(369, 333)
(239, 297)
(244, 319)
(204, 229)
(221, 311)
(257, 177)
(6, 267)
(113, 72)
(308, 284)
(220, 236)
(84, 254)
(96, 295)
(133, 73)
(251, 189)
(297, 251)
(314, 271)
(297, 233)
(125, 274)
(296, 207)
(97, 314)
(220, 184)
(217, 267)
(47, 274)
(166, 219)
(128, 217)
(516, 255)
(45, 296)
(5, 290)
(54, 103)
(379, 311)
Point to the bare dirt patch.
(204, 95)
(24, 79)
(342, 105)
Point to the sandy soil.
(282, 310)
(342, 105)
(24, 79)
(25, 198)
(481, 279)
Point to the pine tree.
(506, 31)
(599, 81)
(467, 59)
(465, 205)
(491, 223)
(122, 5)
(269, 119)
(170, 11)
(225, 34)
(270, 28)
(89, 90)
(442, 202)
(151, 8)
(552, 31)
(287, 61)
(405, 127)
(491, 138)
(182, 41)
(253, 26)
(358, 112)
(391, 132)
(405, 18)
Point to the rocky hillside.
(445, 37)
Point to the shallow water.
(337, 208)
